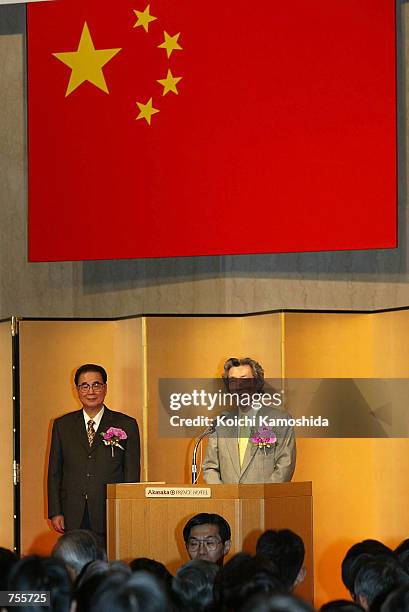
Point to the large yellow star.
(169, 84)
(147, 111)
(86, 63)
(170, 43)
(144, 18)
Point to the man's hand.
(58, 523)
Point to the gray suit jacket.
(78, 473)
(274, 464)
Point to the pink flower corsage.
(112, 436)
(264, 438)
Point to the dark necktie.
(90, 431)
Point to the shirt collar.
(97, 418)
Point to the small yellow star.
(170, 43)
(86, 63)
(169, 84)
(144, 18)
(147, 111)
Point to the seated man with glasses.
(208, 537)
(90, 448)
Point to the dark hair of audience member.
(340, 605)
(193, 585)
(7, 560)
(286, 550)
(275, 602)
(403, 558)
(77, 548)
(350, 567)
(91, 576)
(403, 547)
(35, 573)
(397, 601)
(204, 518)
(376, 579)
(242, 577)
(139, 592)
(151, 566)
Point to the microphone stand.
(211, 429)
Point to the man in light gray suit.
(231, 455)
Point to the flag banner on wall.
(182, 127)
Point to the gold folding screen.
(359, 485)
(6, 444)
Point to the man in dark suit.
(81, 464)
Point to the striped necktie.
(90, 431)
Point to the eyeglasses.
(193, 544)
(85, 387)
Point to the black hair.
(377, 578)
(91, 577)
(275, 602)
(205, 518)
(151, 566)
(340, 605)
(139, 592)
(34, 573)
(403, 547)
(7, 560)
(350, 565)
(286, 549)
(193, 584)
(397, 601)
(242, 577)
(90, 367)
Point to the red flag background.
(281, 136)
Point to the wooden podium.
(141, 525)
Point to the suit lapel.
(233, 449)
(79, 431)
(248, 457)
(106, 423)
(232, 444)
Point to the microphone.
(209, 430)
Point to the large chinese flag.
(184, 127)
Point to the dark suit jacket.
(78, 473)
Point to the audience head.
(286, 550)
(35, 573)
(340, 605)
(376, 579)
(91, 577)
(77, 548)
(142, 564)
(275, 602)
(242, 577)
(193, 584)
(207, 537)
(397, 601)
(356, 556)
(7, 560)
(403, 547)
(135, 593)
